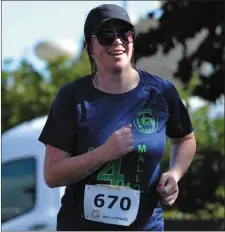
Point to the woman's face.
(116, 56)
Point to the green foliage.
(27, 93)
(202, 187)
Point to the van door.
(19, 191)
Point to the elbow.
(50, 180)
(192, 143)
(50, 184)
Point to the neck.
(116, 81)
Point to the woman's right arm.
(61, 169)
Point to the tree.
(181, 20)
(27, 93)
(201, 194)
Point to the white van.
(27, 202)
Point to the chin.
(119, 66)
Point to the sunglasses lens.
(106, 39)
(127, 36)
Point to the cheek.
(97, 50)
(102, 53)
(130, 49)
(100, 56)
(98, 53)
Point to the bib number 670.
(125, 202)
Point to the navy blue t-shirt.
(82, 118)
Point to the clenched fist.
(119, 143)
(168, 189)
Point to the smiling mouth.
(116, 53)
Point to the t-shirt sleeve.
(179, 122)
(60, 128)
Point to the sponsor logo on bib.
(95, 213)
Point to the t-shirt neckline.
(141, 83)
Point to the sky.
(25, 23)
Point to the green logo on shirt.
(146, 121)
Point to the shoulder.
(163, 87)
(77, 84)
(162, 84)
(75, 88)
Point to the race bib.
(116, 205)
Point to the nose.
(117, 40)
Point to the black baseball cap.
(102, 14)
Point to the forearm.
(182, 154)
(70, 170)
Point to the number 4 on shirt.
(112, 173)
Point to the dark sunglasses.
(107, 38)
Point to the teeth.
(116, 53)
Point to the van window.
(18, 187)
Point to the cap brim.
(112, 19)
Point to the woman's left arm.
(182, 153)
